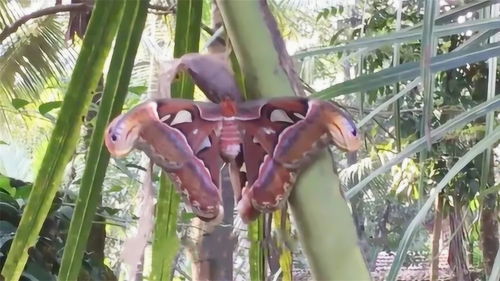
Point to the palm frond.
(32, 59)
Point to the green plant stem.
(187, 40)
(256, 253)
(268, 72)
(115, 91)
(64, 139)
(165, 240)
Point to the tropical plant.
(420, 86)
(45, 256)
(454, 93)
(33, 56)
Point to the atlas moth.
(266, 143)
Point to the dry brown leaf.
(133, 247)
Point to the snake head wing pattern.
(281, 136)
(172, 133)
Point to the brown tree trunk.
(436, 238)
(489, 231)
(215, 248)
(489, 224)
(457, 257)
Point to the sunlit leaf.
(49, 106)
(19, 103)
(138, 90)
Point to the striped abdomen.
(230, 138)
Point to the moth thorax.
(230, 139)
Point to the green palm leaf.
(165, 240)
(115, 91)
(65, 136)
(33, 58)
(408, 71)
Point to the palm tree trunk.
(489, 222)
(316, 201)
(489, 231)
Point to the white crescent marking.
(164, 118)
(268, 131)
(182, 116)
(279, 115)
(206, 143)
(298, 115)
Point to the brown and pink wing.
(163, 129)
(261, 124)
(278, 144)
(199, 123)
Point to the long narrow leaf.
(428, 50)
(283, 224)
(165, 240)
(408, 71)
(453, 124)
(462, 10)
(256, 253)
(404, 36)
(420, 217)
(115, 91)
(395, 62)
(385, 104)
(185, 42)
(64, 138)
